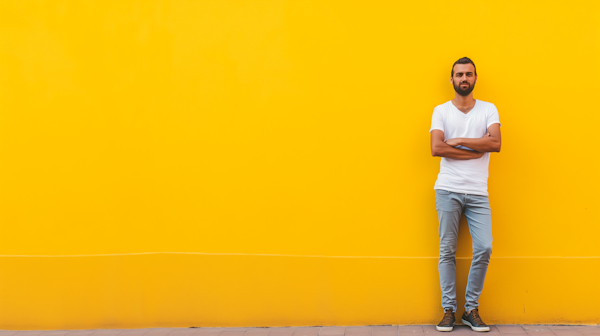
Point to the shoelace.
(448, 317)
(476, 318)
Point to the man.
(463, 132)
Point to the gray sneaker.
(447, 322)
(474, 321)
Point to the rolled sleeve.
(493, 117)
(437, 121)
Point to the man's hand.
(490, 142)
(453, 142)
(440, 148)
(458, 141)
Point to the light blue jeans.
(450, 206)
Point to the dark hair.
(464, 60)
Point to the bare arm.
(490, 143)
(440, 148)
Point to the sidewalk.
(511, 330)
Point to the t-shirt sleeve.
(492, 117)
(437, 122)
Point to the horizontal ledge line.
(282, 255)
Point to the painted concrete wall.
(266, 163)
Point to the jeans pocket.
(442, 192)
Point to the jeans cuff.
(451, 308)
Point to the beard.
(464, 92)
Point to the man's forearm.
(484, 145)
(455, 153)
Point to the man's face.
(464, 79)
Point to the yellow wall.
(272, 157)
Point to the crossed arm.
(490, 142)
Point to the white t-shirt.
(464, 176)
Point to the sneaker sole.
(475, 328)
(438, 328)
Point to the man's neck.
(464, 103)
